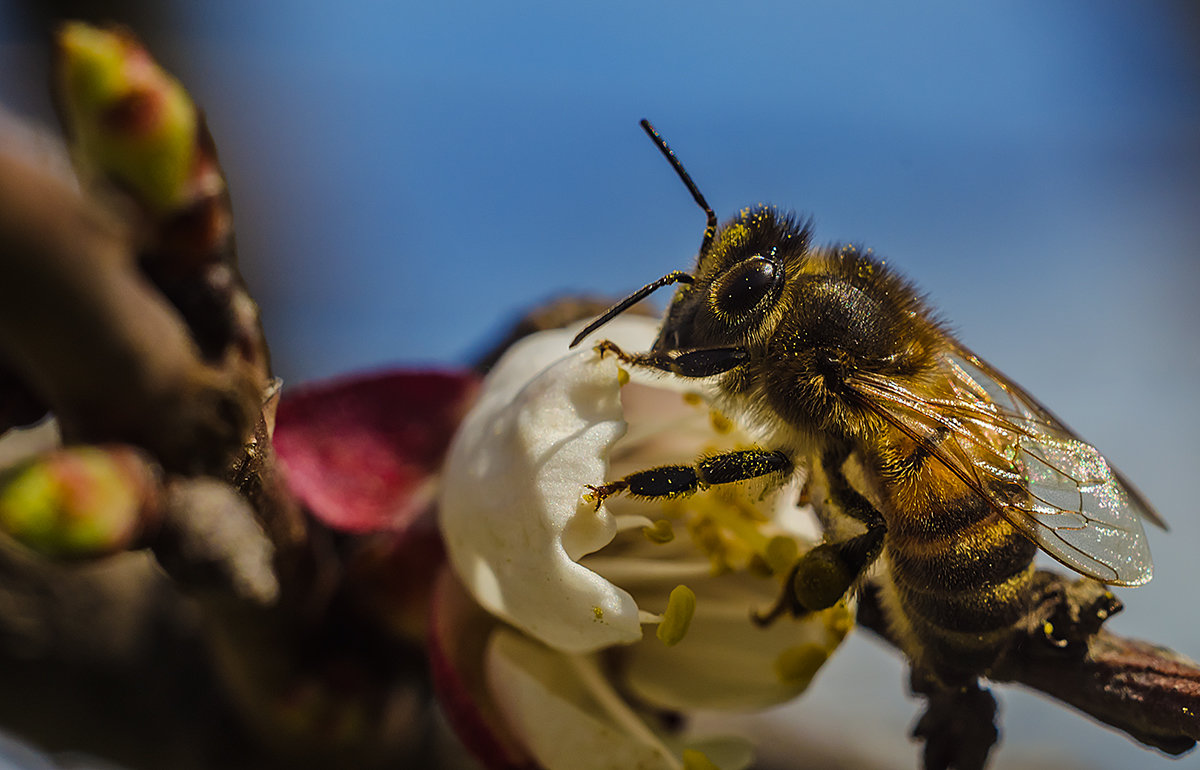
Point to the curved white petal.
(511, 509)
(565, 712)
(553, 711)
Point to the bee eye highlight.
(745, 286)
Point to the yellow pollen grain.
(622, 377)
(707, 537)
(598, 612)
(728, 529)
(796, 666)
(681, 605)
(694, 759)
(839, 620)
(659, 532)
(720, 423)
(781, 553)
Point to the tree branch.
(96, 342)
(1146, 691)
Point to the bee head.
(738, 293)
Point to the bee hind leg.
(824, 574)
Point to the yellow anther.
(780, 553)
(796, 666)
(720, 423)
(681, 605)
(659, 532)
(694, 759)
(839, 620)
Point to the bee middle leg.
(669, 481)
(824, 574)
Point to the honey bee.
(953, 473)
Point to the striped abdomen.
(959, 574)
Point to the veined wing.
(1008, 448)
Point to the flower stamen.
(681, 606)
(630, 521)
(633, 570)
(694, 759)
(660, 532)
(798, 665)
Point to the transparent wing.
(1018, 456)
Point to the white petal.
(555, 714)
(511, 509)
(728, 752)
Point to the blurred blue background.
(408, 178)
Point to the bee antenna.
(710, 229)
(676, 277)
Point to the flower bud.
(81, 501)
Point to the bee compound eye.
(745, 286)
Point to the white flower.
(528, 542)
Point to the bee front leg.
(824, 574)
(669, 481)
(701, 362)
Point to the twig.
(96, 342)
(1146, 691)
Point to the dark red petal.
(459, 631)
(391, 576)
(363, 452)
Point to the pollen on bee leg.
(595, 496)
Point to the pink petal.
(362, 452)
(459, 631)
(392, 576)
